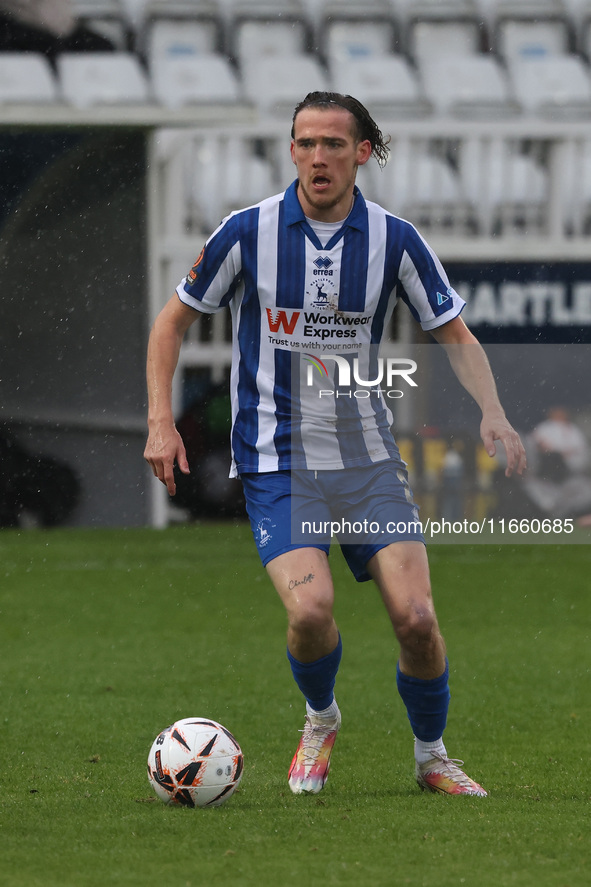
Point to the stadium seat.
(421, 186)
(385, 83)
(419, 178)
(443, 28)
(26, 77)
(93, 78)
(439, 10)
(247, 181)
(508, 187)
(355, 29)
(534, 10)
(180, 27)
(576, 186)
(253, 39)
(555, 86)
(431, 39)
(225, 175)
(357, 40)
(179, 38)
(473, 86)
(275, 84)
(521, 39)
(266, 27)
(200, 79)
(109, 18)
(530, 27)
(352, 10)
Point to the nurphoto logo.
(349, 373)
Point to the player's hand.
(496, 427)
(164, 447)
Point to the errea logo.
(323, 264)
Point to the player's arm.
(164, 446)
(470, 364)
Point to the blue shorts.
(365, 509)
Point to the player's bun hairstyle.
(367, 128)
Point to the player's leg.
(302, 578)
(303, 581)
(401, 572)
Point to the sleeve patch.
(193, 273)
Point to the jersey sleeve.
(425, 286)
(212, 281)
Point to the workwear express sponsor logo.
(316, 324)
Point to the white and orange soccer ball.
(195, 763)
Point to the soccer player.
(266, 263)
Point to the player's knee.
(417, 627)
(311, 620)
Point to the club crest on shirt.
(322, 293)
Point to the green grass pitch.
(108, 636)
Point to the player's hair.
(365, 125)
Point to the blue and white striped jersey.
(302, 313)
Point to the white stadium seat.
(421, 186)
(202, 79)
(180, 27)
(174, 38)
(352, 10)
(576, 185)
(357, 40)
(525, 39)
(264, 9)
(275, 84)
(440, 10)
(533, 9)
(501, 175)
(386, 83)
(469, 86)
(418, 178)
(225, 176)
(430, 39)
(253, 39)
(26, 77)
(94, 78)
(354, 29)
(554, 86)
(458, 22)
(509, 188)
(530, 27)
(266, 27)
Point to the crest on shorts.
(263, 536)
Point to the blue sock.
(426, 703)
(316, 679)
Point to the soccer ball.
(195, 763)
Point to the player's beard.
(321, 203)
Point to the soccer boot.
(443, 775)
(311, 762)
